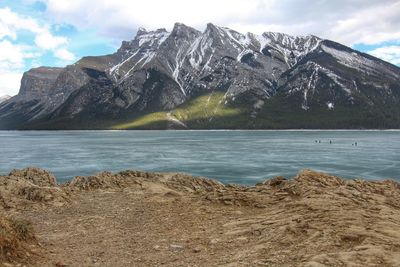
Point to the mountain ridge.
(274, 79)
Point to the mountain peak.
(214, 31)
(211, 27)
(181, 30)
(141, 30)
(179, 25)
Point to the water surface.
(243, 157)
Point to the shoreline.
(206, 130)
(249, 183)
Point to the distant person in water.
(355, 143)
(330, 141)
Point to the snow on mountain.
(264, 75)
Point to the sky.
(58, 32)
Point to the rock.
(36, 176)
(29, 186)
(237, 212)
(242, 239)
(37, 83)
(213, 241)
(275, 182)
(196, 250)
(176, 247)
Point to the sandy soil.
(144, 219)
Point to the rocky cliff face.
(271, 80)
(38, 83)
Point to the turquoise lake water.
(243, 157)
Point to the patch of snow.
(262, 41)
(305, 107)
(206, 66)
(356, 61)
(147, 57)
(197, 51)
(153, 37)
(175, 73)
(258, 104)
(115, 69)
(310, 87)
(288, 45)
(152, 40)
(335, 78)
(355, 86)
(237, 40)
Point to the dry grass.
(15, 237)
(135, 218)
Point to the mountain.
(4, 98)
(215, 79)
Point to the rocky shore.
(136, 218)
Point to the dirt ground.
(145, 219)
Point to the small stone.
(176, 247)
(242, 239)
(238, 212)
(214, 241)
(196, 250)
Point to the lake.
(243, 157)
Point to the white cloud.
(47, 41)
(388, 53)
(13, 53)
(11, 22)
(346, 21)
(10, 83)
(64, 54)
(371, 25)
(11, 56)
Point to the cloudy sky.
(58, 32)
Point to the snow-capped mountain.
(232, 80)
